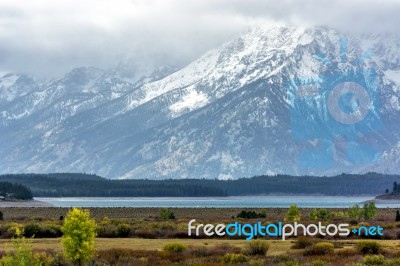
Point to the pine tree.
(398, 216)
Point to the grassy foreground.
(277, 247)
(140, 236)
(133, 251)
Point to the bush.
(369, 247)
(313, 216)
(347, 252)
(22, 252)
(49, 230)
(43, 259)
(374, 260)
(174, 248)
(221, 249)
(251, 214)
(199, 251)
(369, 210)
(339, 215)
(31, 230)
(304, 242)
(320, 214)
(355, 212)
(321, 248)
(167, 214)
(13, 229)
(123, 230)
(233, 258)
(256, 247)
(293, 214)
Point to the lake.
(219, 202)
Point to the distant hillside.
(88, 185)
(393, 195)
(84, 185)
(10, 191)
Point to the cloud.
(49, 37)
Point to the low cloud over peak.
(47, 38)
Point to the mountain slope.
(234, 112)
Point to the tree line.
(89, 185)
(14, 191)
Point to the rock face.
(275, 100)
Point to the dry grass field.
(139, 236)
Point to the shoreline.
(24, 204)
(386, 201)
(36, 203)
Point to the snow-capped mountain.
(236, 111)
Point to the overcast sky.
(47, 38)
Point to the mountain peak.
(228, 114)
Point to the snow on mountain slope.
(13, 86)
(225, 115)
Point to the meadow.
(143, 236)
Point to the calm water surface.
(225, 202)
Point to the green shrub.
(313, 216)
(321, 248)
(123, 230)
(374, 260)
(304, 242)
(31, 229)
(43, 259)
(13, 229)
(355, 212)
(174, 248)
(42, 230)
(199, 251)
(319, 214)
(293, 214)
(223, 248)
(251, 214)
(167, 214)
(49, 230)
(256, 247)
(21, 254)
(233, 258)
(369, 247)
(369, 210)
